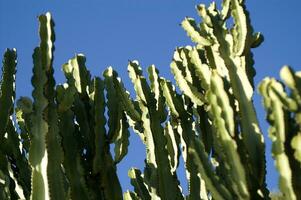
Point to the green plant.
(284, 116)
(64, 133)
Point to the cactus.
(57, 145)
(227, 61)
(45, 153)
(14, 168)
(283, 114)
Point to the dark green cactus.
(57, 146)
(14, 168)
(7, 91)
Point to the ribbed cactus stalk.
(160, 179)
(65, 144)
(283, 114)
(45, 153)
(57, 145)
(7, 88)
(217, 76)
(14, 169)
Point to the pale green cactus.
(283, 114)
(228, 57)
(60, 146)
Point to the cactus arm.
(196, 35)
(133, 114)
(141, 87)
(103, 164)
(82, 79)
(55, 154)
(289, 103)
(293, 82)
(252, 40)
(215, 186)
(130, 196)
(171, 101)
(113, 188)
(6, 181)
(127, 102)
(185, 130)
(185, 86)
(223, 102)
(7, 88)
(79, 77)
(277, 132)
(157, 91)
(142, 97)
(13, 167)
(201, 69)
(72, 162)
(212, 55)
(241, 72)
(45, 154)
(53, 140)
(223, 120)
(122, 140)
(196, 184)
(113, 105)
(155, 85)
(23, 112)
(203, 126)
(82, 117)
(173, 141)
(174, 100)
(167, 187)
(240, 31)
(19, 168)
(117, 122)
(101, 148)
(186, 138)
(138, 184)
(150, 144)
(80, 73)
(7, 98)
(243, 92)
(225, 12)
(157, 155)
(184, 63)
(37, 151)
(192, 175)
(296, 145)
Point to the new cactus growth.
(57, 144)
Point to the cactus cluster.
(284, 116)
(57, 144)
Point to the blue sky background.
(112, 32)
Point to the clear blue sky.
(112, 32)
